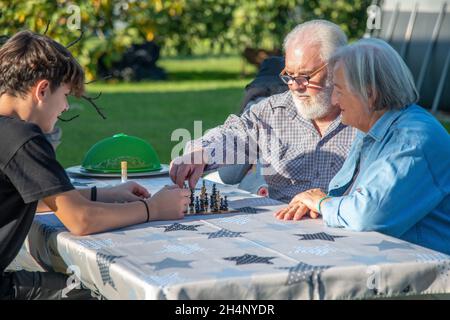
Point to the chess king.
(297, 135)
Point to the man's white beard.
(315, 107)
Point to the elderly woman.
(396, 179)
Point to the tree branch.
(95, 80)
(91, 101)
(46, 28)
(70, 119)
(76, 40)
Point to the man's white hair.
(328, 35)
(372, 66)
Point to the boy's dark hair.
(28, 57)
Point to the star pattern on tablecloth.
(239, 219)
(97, 244)
(155, 236)
(316, 250)
(253, 244)
(302, 272)
(283, 226)
(368, 260)
(231, 273)
(169, 263)
(443, 269)
(318, 236)
(48, 231)
(180, 227)
(165, 279)
(430, 257)
(250, 258)
(389, 245)
(104, 262)
(182, 248)
(223, 233)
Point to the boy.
(36, 76)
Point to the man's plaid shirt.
(294, 156)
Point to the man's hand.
(302, 204)
(126, 192)
(169, 203)
(188, 167)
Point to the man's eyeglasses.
(301, 79)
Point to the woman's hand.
(302, 204)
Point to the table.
(235, 256)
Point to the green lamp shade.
(106, 155)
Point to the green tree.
(180, 26)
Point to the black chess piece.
(211, 202)
(225, 203)
(222, 205)
(197, 205)
(192, 197)
(206, 200)
(202, 205)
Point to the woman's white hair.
(328, 35)
(372, 66)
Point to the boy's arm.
(126, 192)
(82, 216)
(42, 207)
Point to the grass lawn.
(206, 89)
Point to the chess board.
(204, 202)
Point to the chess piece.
(225, 203)
(211, 202)
(192, 197)
(217, 201)
(197, 205)
(202, 205)
(203, 191)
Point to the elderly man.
(297, 135)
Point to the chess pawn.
(192, 197)
(211, 202)
(197, 205)
(206, 200)
(222, 206)
(225, 203)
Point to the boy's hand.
(126, 192)
(169, 203)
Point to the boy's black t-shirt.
(29, 172)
